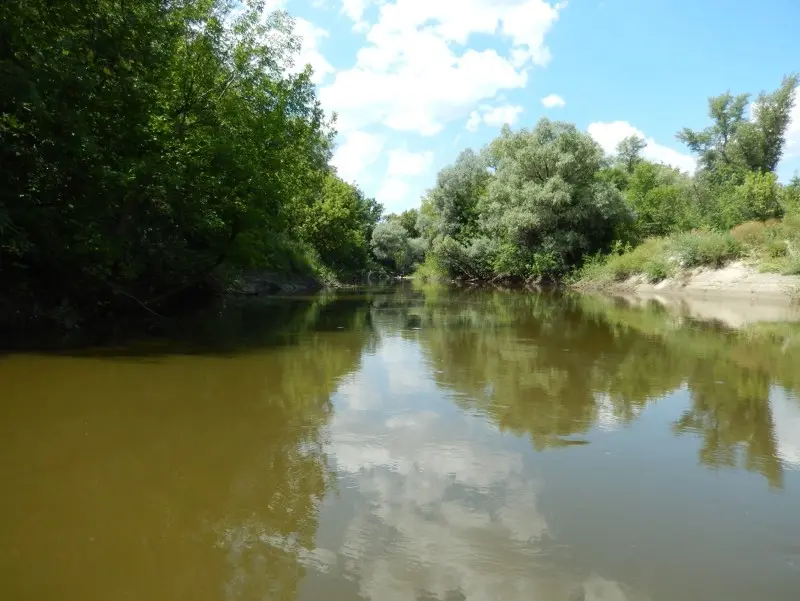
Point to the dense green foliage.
(149, 146)
(396, 243)
(538, 203)
(530, 203)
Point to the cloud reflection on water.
(450, 510)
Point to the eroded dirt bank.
(736, 295)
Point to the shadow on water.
(228, 326)
(197, 473)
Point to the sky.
(414, 82)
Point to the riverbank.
(737, 282)
(264, 283)
(754, 260)
(731, 311)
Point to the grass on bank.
(772, 246)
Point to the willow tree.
(546, 203)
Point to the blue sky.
(416, 81)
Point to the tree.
(789, 198)
(150, 143)
(714, 144)
(337, 225)
(545, 202)
(756, 198)
(428, 220)
(763, 138)
(408, 219)
(391, 246)
(457, 192)
(733, 144)
(659, 197)
(629, 152)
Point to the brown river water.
(407, 444)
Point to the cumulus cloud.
(419, 96)
(474, 121)
(354, 9)
(494, 116)
(310, 54)
(553, 101)
(392, 193)
(414, 74)
(403, 162)
(609, 134)
(793, 132)
(355, 153)
(501, 115)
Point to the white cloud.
(311, 36)
(609, 134)
(474, 121)
(354, 9)
(358, 151)
(553, 101)
(403, 162)
(501, 115)
(494, 116)
(392, 192)
(420, 96)
(793, 131)
(414, 75)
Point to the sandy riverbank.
(736, 295)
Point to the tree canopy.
(736, 141)
(150, 144)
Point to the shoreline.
(737, 281)
(735, 295)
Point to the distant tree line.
(537, 203)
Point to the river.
(407, 444)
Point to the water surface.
(408, 445)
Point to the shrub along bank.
(772, 247)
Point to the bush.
(790, 226)
(457, 261)
(693, 249)
(790, 197)
(773, 245)
(429, 270)
(750, 233)
(776, 248)
(792, 265)
(624, 266)
(657, 269)
(649, 259)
